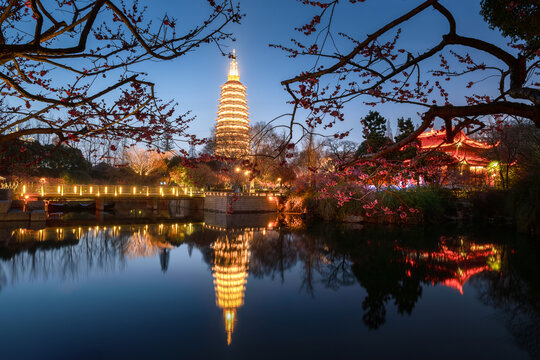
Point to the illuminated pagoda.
(468, 154)
(232, 127)
(230, 271)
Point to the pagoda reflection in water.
(230, 271)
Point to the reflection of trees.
(65, 254)
(143, 244)
(382, 271)
(273, 253)
(516, 292)
(71, 253)
(164, 256)
(390, 271)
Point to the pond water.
(266, 290)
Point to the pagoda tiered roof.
(464, 149)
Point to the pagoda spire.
(233, 69)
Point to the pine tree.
(374, 132)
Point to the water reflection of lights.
(230, 270)
(144, 245)
(142, 239)
(453, 266)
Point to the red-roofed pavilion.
(470, 154)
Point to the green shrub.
(434, 203)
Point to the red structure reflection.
(455, 261)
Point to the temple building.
(232, 127)
(469, 155)
(230, 271)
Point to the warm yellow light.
(120, 190)
(91, 189)
(237, 169)
(106, 189)
(134, 190)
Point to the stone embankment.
(14, 210)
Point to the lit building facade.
(232, 127)
(469, 155)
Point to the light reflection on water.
(392, 270)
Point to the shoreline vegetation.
(518, 207)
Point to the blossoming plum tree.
(381, 68)
(71, 68)
(376, 69)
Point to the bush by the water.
(432, 203)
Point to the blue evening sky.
(194, 80)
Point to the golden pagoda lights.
(230, 270)
(232, 127)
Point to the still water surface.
(205, 291)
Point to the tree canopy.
(379, 68)
(68, 68)
(519, 20)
